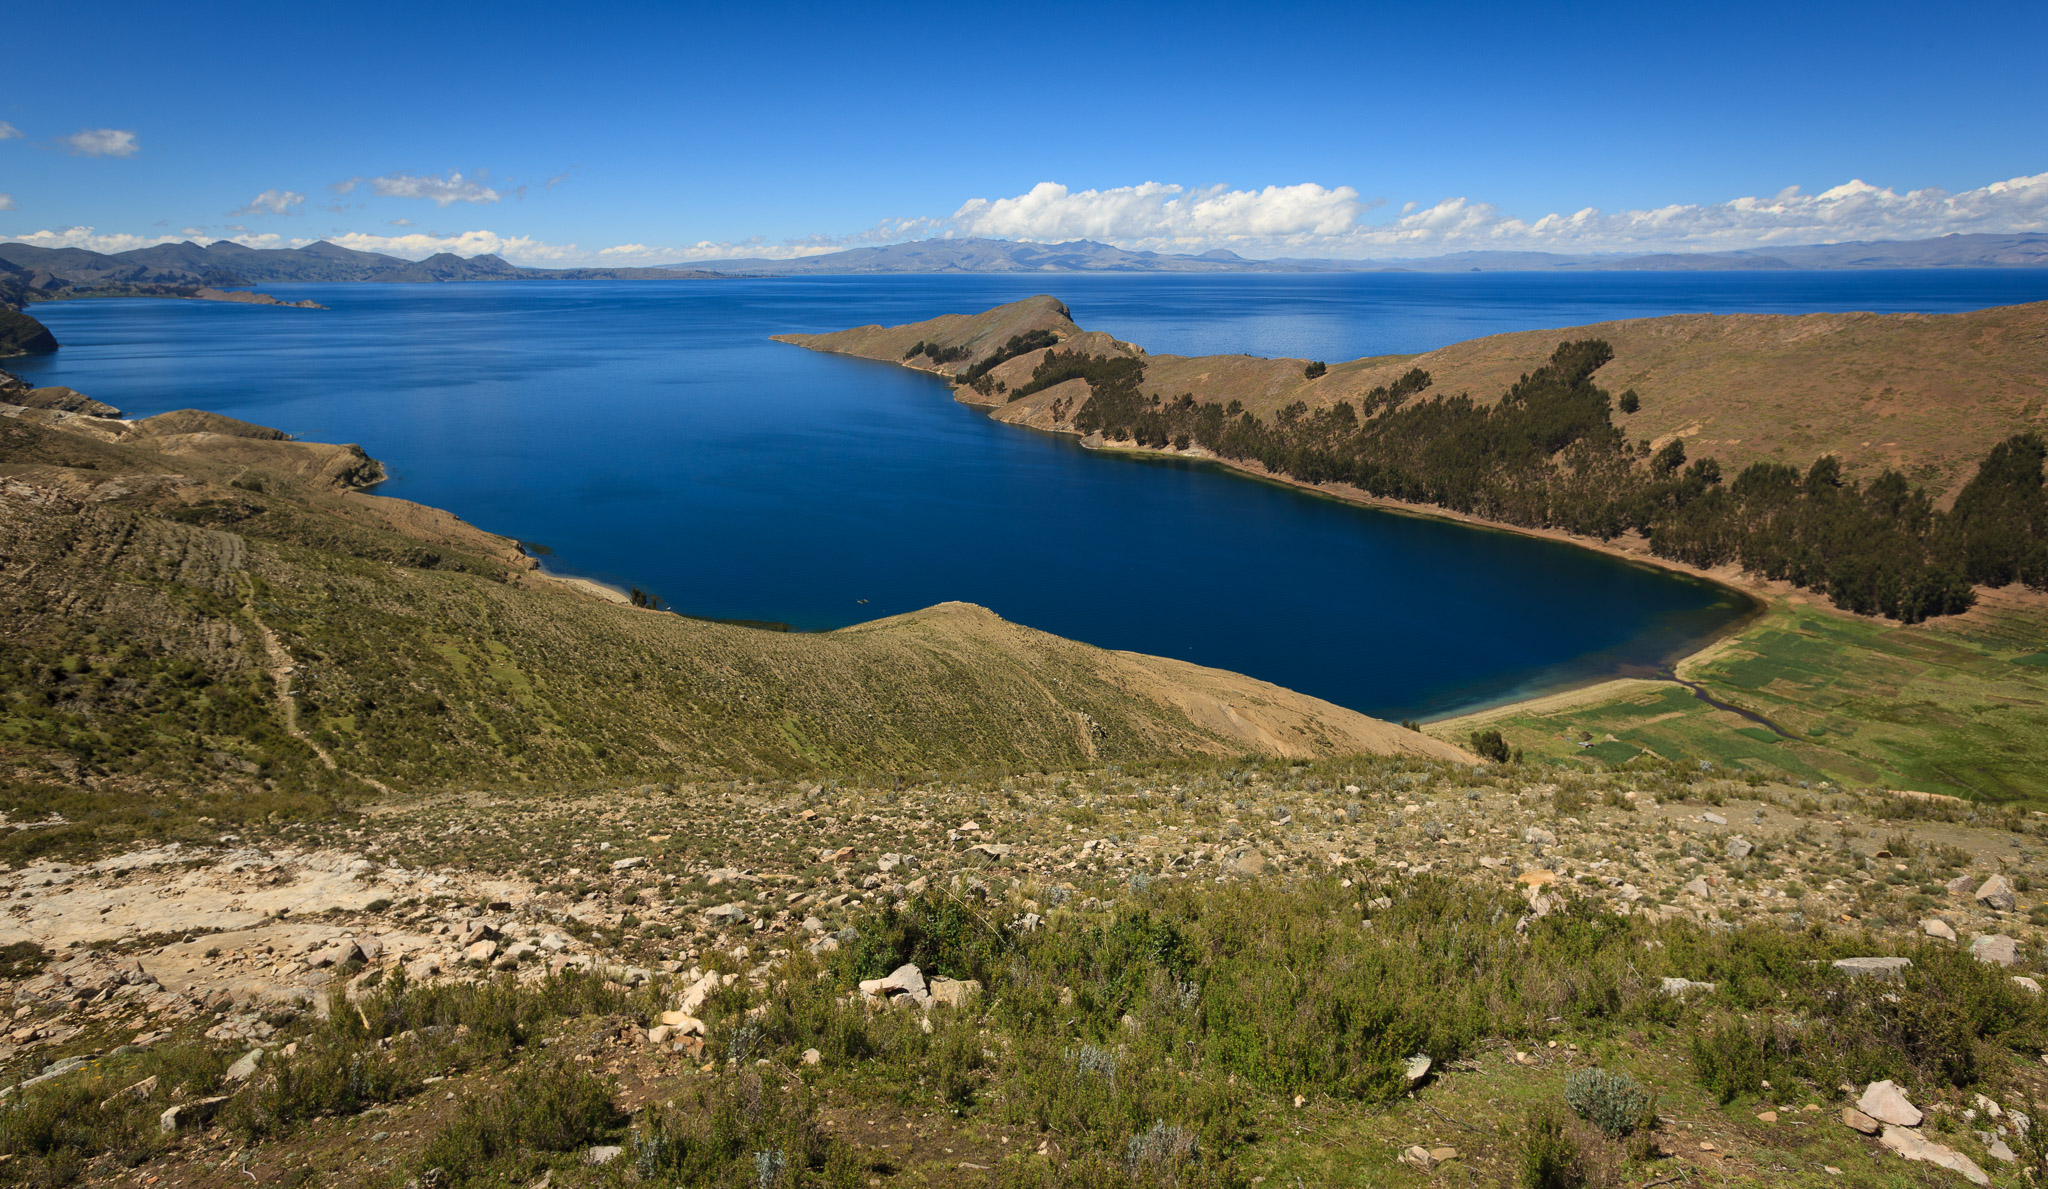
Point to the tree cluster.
(1548, 455)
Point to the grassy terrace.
(1955, 706)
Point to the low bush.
(1614, 1102)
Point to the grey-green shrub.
(1614, 1102)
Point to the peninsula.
(1888, 467)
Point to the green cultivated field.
(1953, 706)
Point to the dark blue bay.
(650, 434)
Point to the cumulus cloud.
(9, 131)
(1855, 210)
(419, 245)
(1307, 219)
(92, 240)
(1158, 212)
(101, 142)
(272, 202)
(6, 202)
(443, 190)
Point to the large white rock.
(1886, 1103)
(1997, 949)
(1997, 893)
(1914, 1146)
(1936, 927)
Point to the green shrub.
(1729, 1060)
(1614, 1102)
(550, 1106)
(1550, 1156)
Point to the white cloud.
(1157, 212)
(1310, 220)
(91, 240)
(272, 202)
(9, 131)
(6, 202)
(398, 222)
(443, 191)
(101, 142)
(419, 245)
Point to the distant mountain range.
(31, 273)
(53, 272)
(986, 255)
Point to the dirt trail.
(280, 670)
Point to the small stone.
(1439, 1155)
(1417, 1156)
(1697, 887)
(1680, 986)
(1713, 819)
(1999, 1151)
(1767, 1116)
(2026, 983)
(1538, 836)
(812, 1057)
(1997, 893)
(1859, 1121)
(628, 864)
(1415, 1069)
(1886, 1103)
(1936, 927)
(244, 1069)
(602, 1154)
(482, 952)
(1961, 885)
(1740, 847)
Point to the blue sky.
(647, 134)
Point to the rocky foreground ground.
(680, 891)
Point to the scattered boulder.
(1680, 986)
(1538, 836)
(1886, 1103)
(2026, 983)
(955, 992)
(1859, 1121)
(481, 952)
(1936, 927)
(1698, 887)
(190, 1114)
(244, 1069)
(1713, 819)
(139, 1092)
(1997, 949)
(1997, 893)
(1961, 885)
(603, 1154)
(726, 914)
(1914, 1146)
(1872, 967)
(1740, 847)
(628, 864)
(1415, 1069)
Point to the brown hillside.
(1928, 394)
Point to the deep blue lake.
(650, 434)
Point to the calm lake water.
(650, 434)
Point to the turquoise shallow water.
(651, 434)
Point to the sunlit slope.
(1927, 394)
(163, 582)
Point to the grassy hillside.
(192, 604)
(1925, 394)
